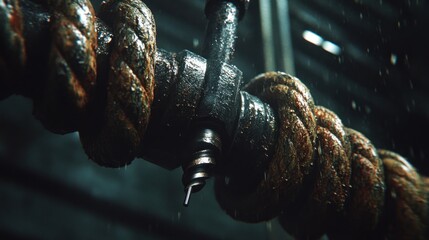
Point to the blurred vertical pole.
(276, 36)
(283, 16)
(269, 58)
(265, 9)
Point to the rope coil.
(72, 64)
(110, 113)
(130, 88)
(325, 178)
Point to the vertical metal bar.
(221, 31)
(265, 9)
(205, 143)
(283, 16)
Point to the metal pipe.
(180, 78)
(283, 16)
(221, 31)
(265, 9)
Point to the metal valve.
(199, 118)
(220, 95)
(205, 149)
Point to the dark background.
(378, 84)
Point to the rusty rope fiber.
(323, 177)
(111, 113)
(326, 178)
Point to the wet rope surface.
(130, 88)
(72, 64)
(326, 178)
(323, 178)
(111, 113)
(12, 45)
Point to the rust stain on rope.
(12, 46)
(72, 74)
(325, 178)
(130, 88)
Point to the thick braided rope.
(116, 140)
(12, 45)
(72, 65)
(281, 176)
(325, 178)
(110, 114)
(407, 210)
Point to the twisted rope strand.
(110, 114)
(12, 46)
(72, 73)
(325, 178)
(130, 88)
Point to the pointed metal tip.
(188, 196)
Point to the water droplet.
(195, 42)
(354, 105)
(393, 59)
(227, 180)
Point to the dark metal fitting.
(221, 97)
(179, 82)
(198, 166)
(179, 105)
(253, 143)
(217, 110)
(242, 6)
(221, 32)
(198, 169)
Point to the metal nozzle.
(205, 147)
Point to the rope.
(325, 178)
(130, 90)
(72, 69)
(12, 45)
(111, 114)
